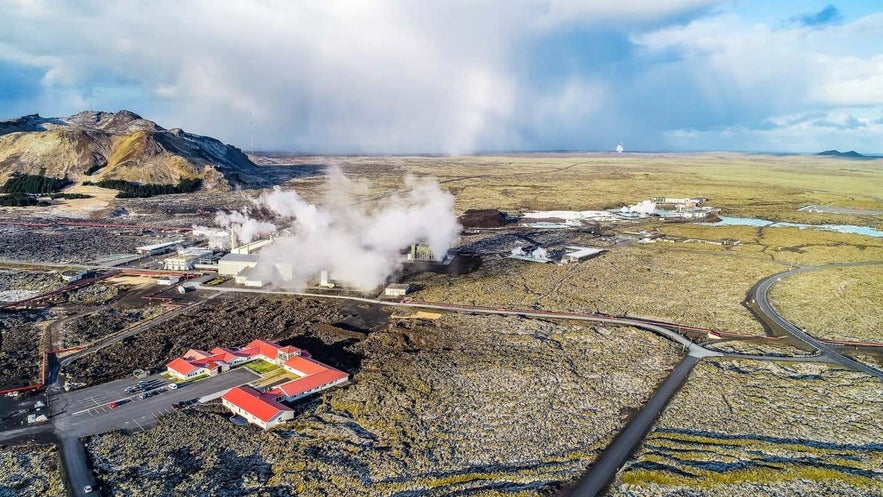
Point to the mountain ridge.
(98, 145)
(852, 154)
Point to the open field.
(478, 405)
(746, 428)
(702, 287)
(839, 303)
(30, 470)
(745, 185)
(788, 245)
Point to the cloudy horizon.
(458, 77)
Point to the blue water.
(842, 228)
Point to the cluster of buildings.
(568, 255)
(666, 208)
(261, 407)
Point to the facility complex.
(567, 255)
(261, 407)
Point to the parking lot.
(89, 411)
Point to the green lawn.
(261, 367)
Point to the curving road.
(759, 296)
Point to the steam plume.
(360, 246)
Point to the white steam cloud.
(244, 227)
(359, 246)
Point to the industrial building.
(261, 408)
(233, 264)
(250, 248)
(578, 254)
(570, 254)
(397, 290)
(74, 275)
(167, 280)
(421, 252)
(158, 248)
(187, 258)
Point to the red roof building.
(181, 366)
(263, 409)
(260, 409)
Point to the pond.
(842, 228)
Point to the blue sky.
(461, 76)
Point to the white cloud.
(440, 76)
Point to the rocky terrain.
(103, 323)
(466, 404)
(123, 145)
(745, 428)
(20, 338)
(30, 470)
(227, 321)
(18, 285)
(74, 245)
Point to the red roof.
(263, 407)
(306, 366)
(248, 351)
(195, 354)
(301, 385)
(181, 366)
(288, 349)
(265, 348)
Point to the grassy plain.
(692, 283)
(699, 287)
(769, 187)
(844, 303)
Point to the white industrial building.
(579, 254)
(186, 258)
(249, 248)
(167, 280)
(74, 275)
(233, 264)
(397, 290)
(158, 248)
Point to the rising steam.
(360, 246)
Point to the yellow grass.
(838, 303)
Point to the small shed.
(397, 290)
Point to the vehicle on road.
(172, 386)
(87, 489)
(112, 405)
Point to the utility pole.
(251, 128)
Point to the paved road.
(85, 412)
(619, 451)
(76, 470)
(760, 297)
(672, 335)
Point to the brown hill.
(98, 146)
